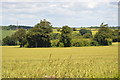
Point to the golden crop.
(72, 62)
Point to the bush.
(87, 35)
(108, 41)
(80, 42)
(54, 43)
(86, 42)
(115, 39)
(26, 45)
(74, 29)
(58, 29)
(60, 44)
(94, 43)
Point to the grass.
(72, 62)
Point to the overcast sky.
(59, 13)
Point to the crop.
(72, 62)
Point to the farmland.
(69, 62)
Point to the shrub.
(108, 41)
(87, 35)
(80, 42)
(60, 44)
(94, 43)
(74, 29)
(58, 29)
(26, 45)
(54, 43)
(86, 42)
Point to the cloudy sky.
(64, 12)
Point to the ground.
(72, 62)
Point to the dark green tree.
(20, 35)
(39, 36)
(9, 41)
(66, 36)
(104, 35)
(116, 36)
(84, 31)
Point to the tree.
(9, 41)
(39, 36)
(66, 36)
(20, 35)
(74, 29)
(84, 31)
(104, 35)
(58, 29)
(87, 35)
(116, 36)
(55, 36)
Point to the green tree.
(116, 36)
(20, 35)
(84, 31)
(39, 36)
(104, 35)
(55, 36)
(87, 35)
(9, 41)
(66, 36)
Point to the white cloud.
(60, 13)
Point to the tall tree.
(20, 35)
(39, 36)
(66, 36)
(103, 35)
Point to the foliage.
(39, 36)
(58, 29)
(76, 35)
(74, 29)
(14, 27)
(55, 36)
(60, 44)
(9, 41)
(103, 36)
(116, 36)
(80, 42)
(66, 36)
(84, 31)
(54, 43)
(94, 43)
(87, 35)
(20, 35)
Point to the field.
(72, 62)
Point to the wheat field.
(72, 62)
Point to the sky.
(74, 13)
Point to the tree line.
(41, 35)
